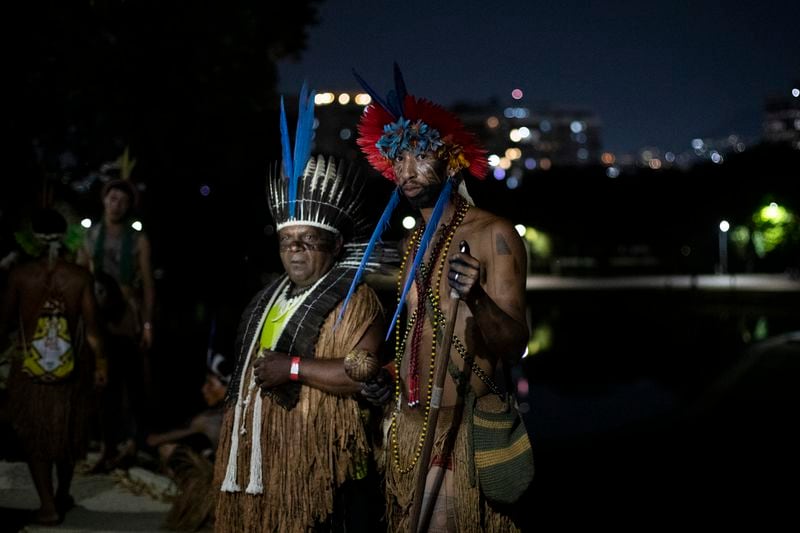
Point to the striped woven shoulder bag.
(503, 453)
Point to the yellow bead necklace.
(461, 210)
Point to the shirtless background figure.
(117, 253)
(50, 418)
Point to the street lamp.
(724, 226)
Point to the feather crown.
(404, 122)
(314, 190)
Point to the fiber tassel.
(229, 483)
(255, 486)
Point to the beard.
(427, 197)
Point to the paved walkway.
(116, 502)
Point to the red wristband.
(294, 370)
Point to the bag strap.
(462, 351)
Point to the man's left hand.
(464, 273)
(379, 390)
(271, 369)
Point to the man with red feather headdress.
(457, 251)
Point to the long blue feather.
(375, 96)
(394, 103)
(286, 143)
(302, 143)
(400, 88)
(433, 223)
(380, 227)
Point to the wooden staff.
(440, 371)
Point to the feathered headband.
(403, 122)
(314, 191)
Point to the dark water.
(652, 407)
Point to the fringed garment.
(51, 419)
(308, 450)
(473, 513)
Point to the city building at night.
(782, 118)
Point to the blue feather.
(395, 103)
(286, 143)
(400, 88)
(380, 227)
(433, 223)
(375, 96)
(302, 143)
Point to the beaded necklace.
(416, 322)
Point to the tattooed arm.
(494, 288)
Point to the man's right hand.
(271, 369)
(378, 391)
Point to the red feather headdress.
(459, 147)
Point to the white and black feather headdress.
(315, 191)
(327, 195)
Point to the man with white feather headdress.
(293, 440)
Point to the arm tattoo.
(501, 246)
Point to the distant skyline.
(655, 73)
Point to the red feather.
(450, 128)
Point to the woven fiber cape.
(300, 335)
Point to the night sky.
(656, 73)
